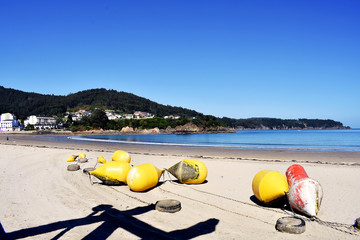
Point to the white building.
(172, 117)
(41, 122)
(128, 116)
(111, 115)
(8, 122)
(78, 115)
(139, 115)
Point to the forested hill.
(23, 104)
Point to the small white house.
(8, 122)
(111, 115)
(172, 117)
(128, 116)
(139, 115)
(41, 122)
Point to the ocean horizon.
(298, 140)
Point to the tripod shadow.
(113, 219)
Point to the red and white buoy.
(305, 194)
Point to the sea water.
(303, 140)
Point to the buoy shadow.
(177, 181)
(113, 219)
(278, 203)
(150, 189)
(113, 184)
(281, 203)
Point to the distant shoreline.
(64, 142)
(148, 131)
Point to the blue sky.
(239, 59)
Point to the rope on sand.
(345, 228)
(137, 199)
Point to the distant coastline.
(150, 131)
(332, 140)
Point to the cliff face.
(188, 128)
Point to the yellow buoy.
(82, 155)
(101, 159)
(189, 171)
(143, 177)
(269, 186)
(112, 172)
(121, 156)
(72, 158)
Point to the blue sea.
(301, 140)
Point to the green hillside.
(24, 104)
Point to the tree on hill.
(99, 119)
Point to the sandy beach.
(41, 199)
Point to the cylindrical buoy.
(101, 159)
(82, 155)
(189, 171)
(143, 177)
(305, 194)
(121, 156)
(112, 172)
(295, 173)
(269, 186)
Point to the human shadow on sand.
(113, 219)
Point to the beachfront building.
(41, 122)
(9, 123)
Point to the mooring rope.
(349, 229)
(133, 197)
(212, 205)
(345, 228)
(342, 227)
(221, 196)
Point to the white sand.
(40, 199)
